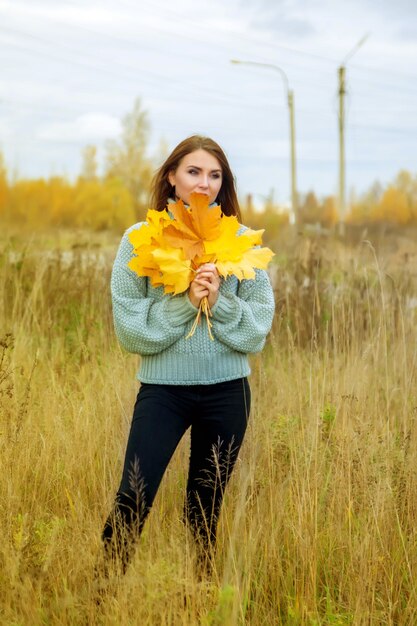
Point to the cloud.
(399, 8)
(408, 32)
(286, 18)
(6, 131)
(401, 15)
(297, 27)
(66, 13)
(89, 127)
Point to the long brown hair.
(161, 188)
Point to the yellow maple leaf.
(225, 245)
(230, 246)
(175, 270)
(204, 258)
(142, 236)
(241, 269)
(151, 231)
(259, 257)
(206, 219)
(193, 226)
(157, 218)
(254, 236)
(145, 265)
(244, 268)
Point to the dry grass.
(319, 523)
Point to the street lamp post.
(290, 101)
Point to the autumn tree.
(127, 159)
(361, 210)
(100, 205)
(396, 204)
(162, 152)
(329, 214)
(407, 183)
(393, 207)
(308, 210)
(39, 202)
(89, 163)
(4, 187)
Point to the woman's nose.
(203, 182)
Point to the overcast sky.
(72, 69)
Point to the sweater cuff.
(224, 309)
(179, 310)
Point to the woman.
(194, 382)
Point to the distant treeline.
(119, 197)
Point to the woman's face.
(198, 172)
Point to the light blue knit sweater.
(155, 325)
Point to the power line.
(263, 42)
(149, 78)
(151, 75)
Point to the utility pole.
(290, 102)
(342, 191)
(342, 167)
(294, 199)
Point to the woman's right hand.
(197, 292)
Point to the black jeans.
(218, 416)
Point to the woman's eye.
(192, 171)
(216, 175)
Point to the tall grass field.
(319, 523)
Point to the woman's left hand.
(208, 276)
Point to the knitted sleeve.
(243, 321)
(143, 323)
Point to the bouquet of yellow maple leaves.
(172, 244)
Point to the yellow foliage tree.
(89, 163)
(396, 204)
(115, 202)
(308, 209)
(60, 201)
(127, 159)
(40, 202)
(329, 214)
(407, 183)
(4, 186)
(393, 207)
(91, 204)
(102, 204)
(361, 208)
(29, 202)
(311, 211)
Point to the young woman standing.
(195, 383)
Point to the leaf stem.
(203, 308)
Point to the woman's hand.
(205, 284)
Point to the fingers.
(197, 291)
(207, 270)
(205, 284)
(198, 288)
(211, 282)
(208, 267)
(212, 278)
